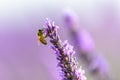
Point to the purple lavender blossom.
(64, 54)
(95, 63)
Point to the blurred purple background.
(21, 58)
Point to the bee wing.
(39, 40)
(42, 40)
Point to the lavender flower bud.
(71, 19)
(64, 54)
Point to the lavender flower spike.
(95, 63)
(64, 54)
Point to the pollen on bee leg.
(38, 41)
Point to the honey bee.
(41, 37)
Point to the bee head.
(40, 32)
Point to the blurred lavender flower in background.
(64, 53)
(95, 63)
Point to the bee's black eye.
(40, 30)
